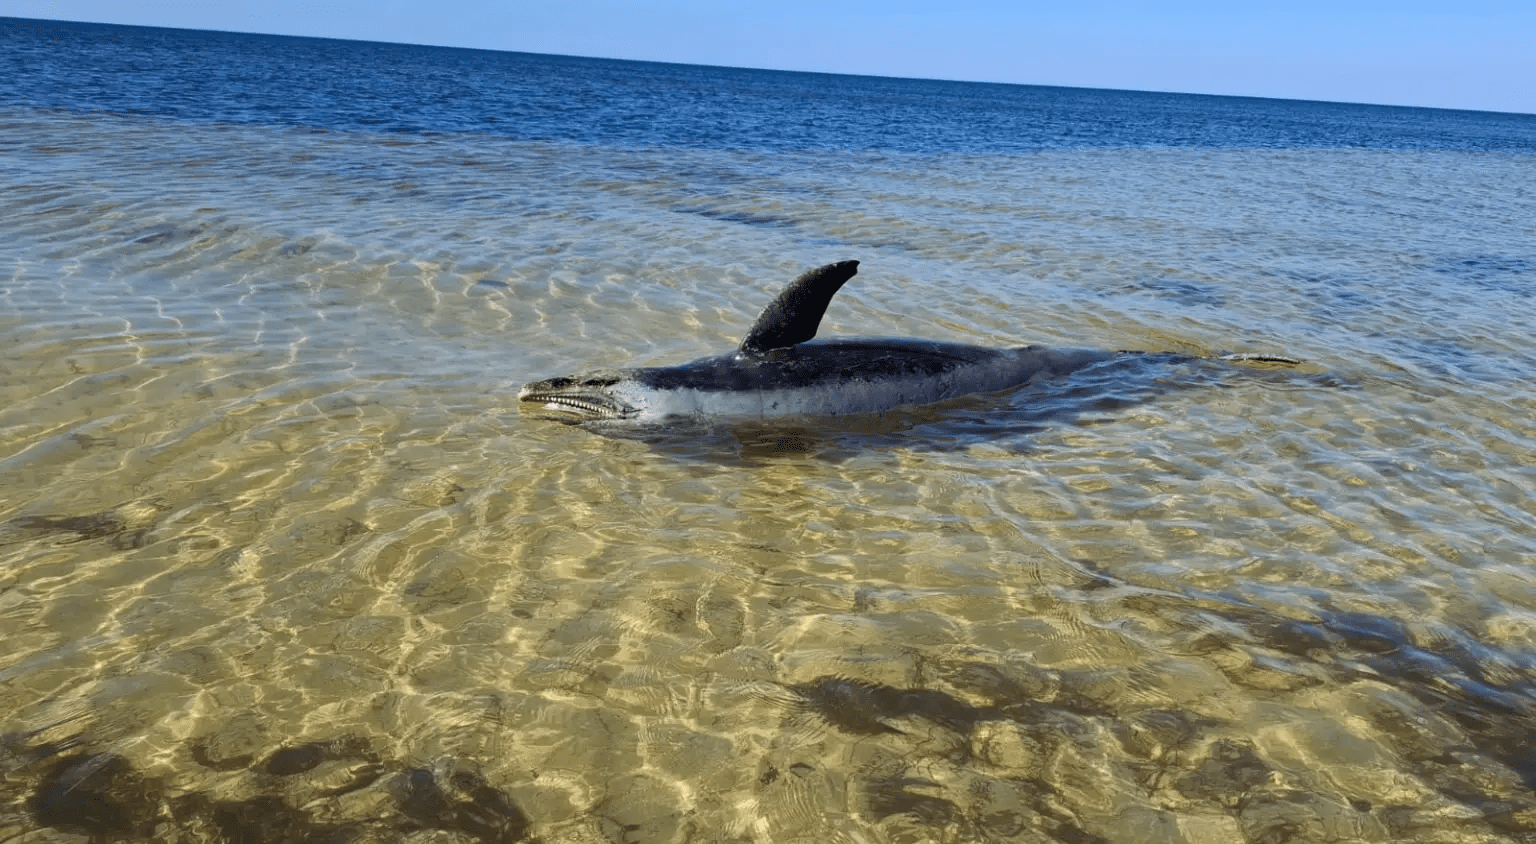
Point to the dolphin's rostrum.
(776, 372)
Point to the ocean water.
(280, 560)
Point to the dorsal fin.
(794, 316)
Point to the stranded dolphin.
(776, 372)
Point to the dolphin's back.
(856, 375)
(823, 364)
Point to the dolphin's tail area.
(1249, 357)
(1234, 357)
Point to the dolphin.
(777, 372)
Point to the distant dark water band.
(364, 86)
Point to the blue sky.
(1476, 54)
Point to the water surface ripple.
(279, 558)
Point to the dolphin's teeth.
(570, 404)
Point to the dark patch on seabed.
(1183, 291)
(972, 758)
(122, 527)
(975, 751)
(1504, 273)
(744, 217)
(332, 791)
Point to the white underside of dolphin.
(777, 373)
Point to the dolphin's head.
(581, 398)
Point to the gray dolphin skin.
(776, 372)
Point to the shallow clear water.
(278, 554)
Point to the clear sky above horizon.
(1474, 54)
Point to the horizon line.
(780, 69)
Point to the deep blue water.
(364, 86)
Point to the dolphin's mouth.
(573, 406)
(572, 400)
